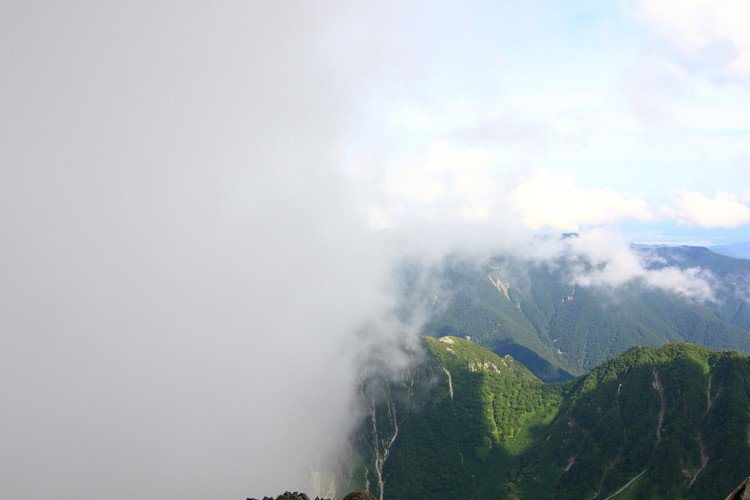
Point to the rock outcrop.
(742, 492)
(290, 495)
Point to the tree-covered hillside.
(672, 422)
(452, 423)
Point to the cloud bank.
(690, 208)
(603, 258)
(452, 183)
(554, 201)
(180, 279)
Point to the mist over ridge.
(206, 213)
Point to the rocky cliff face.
(741, 492)
(288, 495)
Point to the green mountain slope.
(672, 422)
(452, 423)
(675, 418)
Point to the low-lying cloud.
(180, 272)
(604, 258)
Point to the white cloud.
(742, 169)
(603, 258)
(554, 201)
(449, 184)
(690, 208)
(691, 282)
(177, 234)
(653, 86)
(693, 26)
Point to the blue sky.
(648, 100)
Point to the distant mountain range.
(736, 250)
(557, 329)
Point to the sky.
(193, 198)
(622, 114)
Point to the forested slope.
(465, 423)
(534, 312)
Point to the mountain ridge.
(661, 422)
(536, 310)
